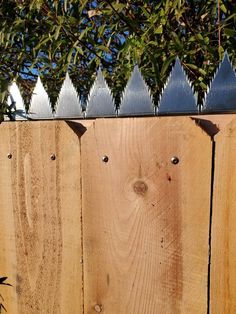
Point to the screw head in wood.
(98, 308)
(175, 160)
(9, 156)
(105, 158)
(53, 157)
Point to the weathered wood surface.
(223, 242)
(146, 220)
(40, 230)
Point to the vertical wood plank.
(146, 220)
(223, 244)
(8, 261)
(40, 229)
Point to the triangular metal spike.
(15, 103)
(221, 94)
(40, 107)
(178, 96)
(68, 103)
(100, 101)
(137, 100)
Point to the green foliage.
(48, 37)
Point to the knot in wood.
(140, 187)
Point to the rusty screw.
(53, 157)
(105, 158)
(9, 156)
(175, 160)
(98, 308)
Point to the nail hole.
(175, 160)
(53, 157)
(9, 156)
(105, 158)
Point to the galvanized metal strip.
(68, 103)
(100, 101)
(221, 94)
(137, 99)
(16, 106)
(178, 95)
(40, 107)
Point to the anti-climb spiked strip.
(177, 96)
(221, 94)
(40, 107)
(16, 107)
(100, 102)
(136, 100)
(68, 103)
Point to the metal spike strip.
(177, 96)
(100, 101)
(40, 107)
(136, 100)
(15, 103)
(221, 94)
(68, 103)
(202, 106)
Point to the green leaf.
(166, 65)
(203, 85)
(104, 48)
(79, 50)
(221, 52)
(223, 8)
(69, 56)
(203, 72)
(192, 66)
(119, 6)
(41, 43)
(159, 30)
(57, 32)
(199, 36)
(229, 32)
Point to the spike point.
(136, 100)
(99, 69)
(68, 103)
(15, 103)
(100, 78)
(100, 101)
(40, 107)
(226, 55)
(221, 93)
(178, 62)
(178, 95)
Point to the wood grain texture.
(40, 229)
(213, 123)
(145, 220)
(223, 244)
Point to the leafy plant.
(49, 37)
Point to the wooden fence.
(132, 215)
